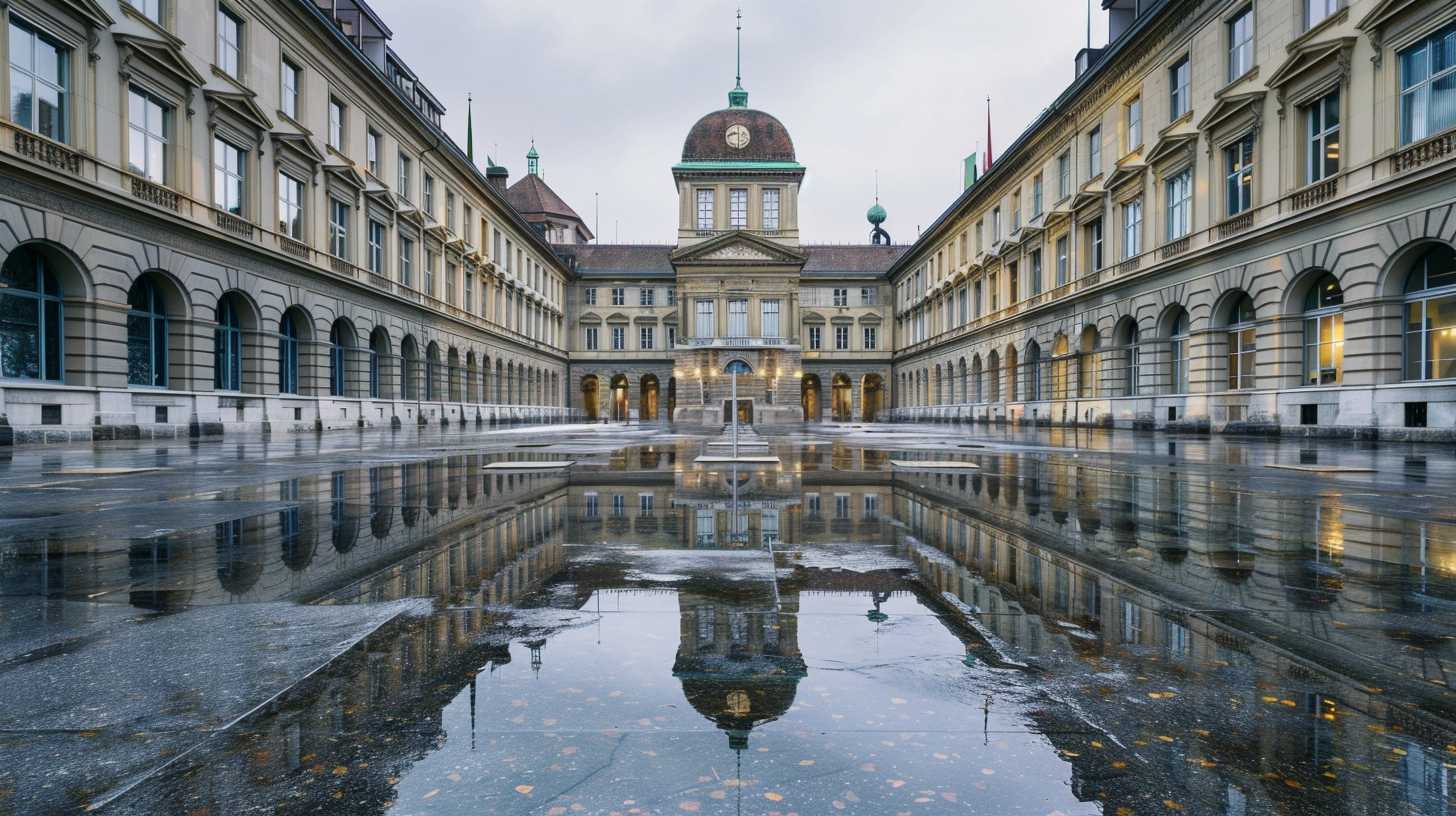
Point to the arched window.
(1131, 361)
(409, 363)
(1061, 380)
(378, 350)
(30, 319)
(1430, 328)
(1033, 372)
(1324, 332)
(1088, 363)
(994, 367)
(1178, 353)
(977, 394)
(1242, 343)
(339, 341)
(146, 336)
(227, 348)
(432, 372)
(287, 355)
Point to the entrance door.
(745, 411)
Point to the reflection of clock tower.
(738, 263)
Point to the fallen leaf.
(432, 794)
(774, 797)
(689, 807)
(525, 789)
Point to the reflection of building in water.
(738, 658)
(1073, 564)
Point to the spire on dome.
(469, 130)
(876, 216)
(533, 160)
(738, 98)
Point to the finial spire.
(738, 98)
(533, 159)
(469, 129)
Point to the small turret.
(533, 160)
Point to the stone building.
(251, 218)
(1237, 217)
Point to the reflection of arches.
(648, 409)
(842, 404)
(239, 556)
(810, 398)
(620, 405)
(872, 394)
(589, 397)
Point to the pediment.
(1172, 147)
(812, 317)
(1231, 106)
(301, 145)
(1309, 56)
(348, 175)
(1384, 12)
(240, 105)
(90, 11)
(160, 55)
(1126, 171)
(617, 317)
(589, 317)
(738, 248)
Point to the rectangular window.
(336, 124)
(816, 338)
(151, 9)
(619, 296)
(1064, 181)
(994, 288)
(704, 326)
(1179, 78)
(1132, 228)
(872, 336)
(1315, 11)
(1094, 245)
(646, 337)
(770, 318)
(964, 308)
(619, 338)
(771, 208)
(646, 296)
(450, 210)
(1428, 86)
(1238, 160)
(1063, 262)
(705, 209)
(1179, 191)
(841, 297)
(429, 195)
(376, 247)
(1241, 44)
(589, 296)
(1015, 211)
(469, 292)
(290, 206)
(467, 231)
(591, 338)
(429, 278)
(671, 296)
(995, 224)
(40, 82)
(407, 263)
(1035, 272)
(841, 338)
(371, 152)
(449, 281)
(149, 124)
(1323, 143)
(976, 300)
(229, 42)
(1013, 281)
(738, 209)
(1036, 196)
(671, 336)
(868, 296)
(339, 229)
(738, 317)
(1094, 153)
(404, 179)
(1134, 124)
(228, 174)
(291, 83)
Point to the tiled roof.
(768, 139)
(824, 260)
(533, 196)
(852, 259)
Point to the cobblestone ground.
(585, 619)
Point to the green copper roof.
(738, 165)
(738, 98)
(877, 214)
(532, 154)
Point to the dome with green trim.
(876, 214)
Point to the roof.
(656, 259)
(533, 196)
(768, 139)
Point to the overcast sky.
(609, 90)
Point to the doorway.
(745, 411)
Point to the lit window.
(1242, 344)
(1324, 332)
(1430, 347)
(1239, 175)
(1323, 118)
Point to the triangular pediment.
(1172, 147)
(240, 105)
(737, 248)
(1308, 57)
(1384, 12)
(161, 55)
(299, 144)
(1228, 107)
(90, 11)
(347, 174)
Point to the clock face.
(737, 137)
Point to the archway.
(409, 353)
(842, 406)
(620, 410)
(648, 409)
(452, 373)
(809, 397)
(589, 395)
(234, 316)
(146, 334)
(379, 352)
(872, 394)
(342, 338)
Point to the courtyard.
(583, 619)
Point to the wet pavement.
(1031, 622)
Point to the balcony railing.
(296, 248)
(229, 223)
(1314, 194)
(732, 342)
(1174, 248)
(41, 149)
(155, 194)
(1237, 224)
(1423, 153)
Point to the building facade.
(1238, 217)
(248, 216)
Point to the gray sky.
(609, 90)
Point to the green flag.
(972, 170)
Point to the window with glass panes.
(1036, 272)
(705, 209)
(149, 123)
(841, 297)
(771, 208)
(646, 337)
(338, 229)
(291, 82)
(1179, 193)
(867, 296)
(646, 296)
(290, 206)
(1430, 330)
(151, 9)
(229, 42)
(619, 338)
(816, 338)
(404, 178)
(589, 296)
(40, 81)
(589, 339)
(1238, 167)
(1324, 332)
(1242, 344)
(1322, 126)
(738, 317)
(872, 337)
(1064, 183)
(336, 124)
(703, 326)
(1241, 44)
(1134, 115)
(1179, 81)
(770, 318)
(1063, 262)
(371, 151)
(1132, 228)
(1316, 11)
(228, 174)
(1036, 195)
(841, 338)
(407, 263)
(376, 247)
(1094, 152)
(619, 295)
(737, 209)
(1428, 86)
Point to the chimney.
(497, 176)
